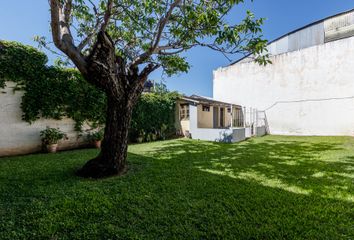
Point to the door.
(222, 117)
(215, 117)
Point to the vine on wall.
(55, 92)
(20, 63)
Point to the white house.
(207, 119)
(309, 87)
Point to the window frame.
(184, 112)
(206, 108)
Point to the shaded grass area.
(265, 188)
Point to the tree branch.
(67, 10)
(162, 23)
(62, 37)
(154, 44)
(89, 36)
(107, 15)
(138, 85)
(93, 7)
(171, 53)
(147, 70)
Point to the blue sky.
(20, 20)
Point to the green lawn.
(265, 188)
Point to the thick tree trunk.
(108, 72)
(112, 158)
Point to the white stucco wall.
(20, 137)
(185, 126)
(306, 92)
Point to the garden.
(143, 182)
(273, 187)
(58, 92)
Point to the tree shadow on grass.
(311, 181)
(186, 189)
(316, 168)
(42, 198)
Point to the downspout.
(232, 114)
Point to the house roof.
(196, 99)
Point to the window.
(206, 108)
(184, 112)
(228, 109)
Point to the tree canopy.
(158, 32)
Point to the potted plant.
(51, 137)
(148, 137)
(163, 131)
(140, 137)
(153, 137)
(96, 138)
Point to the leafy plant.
(54, 93)
(154, 114)
(49, 91)
(20, 63)
(52, 135)
(163, 131)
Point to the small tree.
(116, 44)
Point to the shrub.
(52, 135)
(154, 116)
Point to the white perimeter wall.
(306, 92)
(20, 137)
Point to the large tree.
(116, 44)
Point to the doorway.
(215, 117)
(222, 117)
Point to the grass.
(266, 188)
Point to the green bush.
(52, 135)
(154, 116)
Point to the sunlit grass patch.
(265, 188)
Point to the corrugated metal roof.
(331, 28)
(339, 27)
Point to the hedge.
(56, 92)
